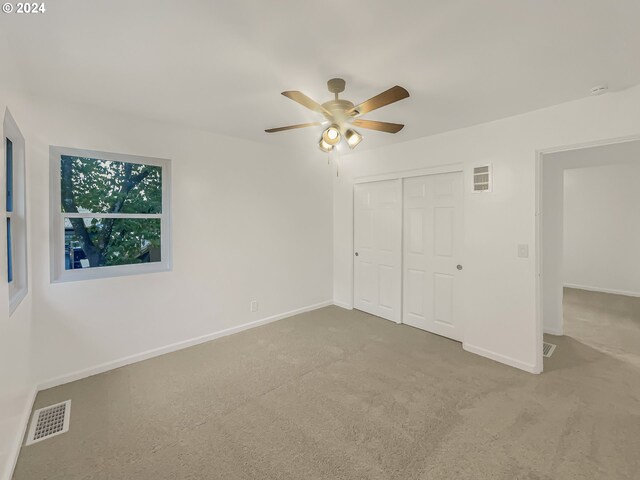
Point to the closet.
(408, 237)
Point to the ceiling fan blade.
(305, 101)
(380, 126)
(291, 127)
(387, 97)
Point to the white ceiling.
(221, 65)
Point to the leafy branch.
(97, 186)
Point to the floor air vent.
(547, 349)
(49, 421)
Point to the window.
(15, 212)
(109, 214)
(9, 203)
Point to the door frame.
(539, 222)
(397, 175)
(418, 172)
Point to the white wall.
(499, 288)
(16, 372)
(250, 221)
(16, 369)
(602, 228)
(237, 236)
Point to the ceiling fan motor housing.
(338, 108)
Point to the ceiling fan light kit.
(331, 135)
(353, 138)
(343, 114)
(324, 146)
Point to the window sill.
(109, 272)
(16, 299)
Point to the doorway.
(590, 246)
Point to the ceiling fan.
(342, 115)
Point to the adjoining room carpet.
(334, 394)
(608, 323)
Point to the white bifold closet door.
(433, 227)
(378, 248)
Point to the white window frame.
(57, 241)
(19, 286)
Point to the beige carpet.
(334, 394)
(609, 323)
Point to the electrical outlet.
(523, 251)
(254, 305)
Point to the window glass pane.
(91, 185)
(9, 172)
(9, 254)
(103, 242)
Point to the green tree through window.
(114, 209)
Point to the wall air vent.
(482, 179)
(49, 421)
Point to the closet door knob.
(459, 267)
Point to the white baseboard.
(553, 331)
(138, 357)
(602, 290)
(344, 305)
(12, 459)
(498, 357)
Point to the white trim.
(539, 340)
(595, 143)
(352, 264)
(400, 320)
(19, 286)
(12, 457)
(602, 290)
(553, 331)
(111, 215)
(498, 357)
(539, 155)
(109, 272)
(345, 305)
(17, 298)
(419, 172)
(138, 357)
(58, 273)
(108, 156)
